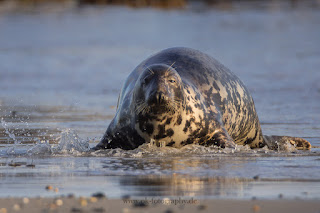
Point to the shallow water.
(60, 74)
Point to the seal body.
(182, 96)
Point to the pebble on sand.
(93, 199)
(140, 204)
(126, 197)
(53, 206)
(256, 208)
(257, 177)
(76, 210)
(3, 210)
(16, 207)
(14, 164)
(99, 210)
(125, 210)
(202, 207)
(49, 187)
(98, 195)
(83, 202)
(71, 196)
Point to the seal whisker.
(151, 71)
(170, 66)
(140, 107)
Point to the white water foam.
(151, 150)
(69, 143)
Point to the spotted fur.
(181, 96)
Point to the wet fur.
(205, 104)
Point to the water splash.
(10, 150)
(69, 143)
(41, 148)
(152, 150)
(194, 150)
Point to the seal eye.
(172, 81)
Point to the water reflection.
(184, 185)
(168, 164)
(218, 177)
(130, 175)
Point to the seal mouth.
(161, 107)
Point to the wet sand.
(94, 204)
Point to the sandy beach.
(94, 204)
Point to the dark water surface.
(60, 75)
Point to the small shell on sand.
(25, 200)
(59, 202)
(166, 201)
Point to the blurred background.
(62, 62)
(164, 4)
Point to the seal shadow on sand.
(182, 96)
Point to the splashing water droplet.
(71, 142)
(10, 150)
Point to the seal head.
(158, 91)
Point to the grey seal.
(182, 96)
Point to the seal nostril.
(160, 97)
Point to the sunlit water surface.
(60, 74)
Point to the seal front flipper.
(112, 142)
(222, 139)
(123, 138)
(278, 142)
(105, 143)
